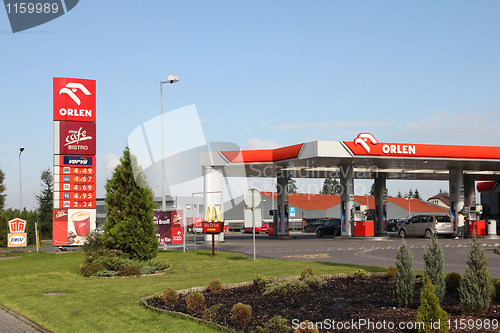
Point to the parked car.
(312, 225)
(426, 226)
(329, 227)
(393, 224)
(263, 229)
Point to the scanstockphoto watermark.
(363, 324)
(26, 14)
(484, 324)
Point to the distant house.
(440, 200)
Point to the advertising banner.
(71, 226)
(74, 99)
(74, 138)
(169, 227)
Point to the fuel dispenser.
(362, 226)
(473, 214)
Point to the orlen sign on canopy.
(74, 99)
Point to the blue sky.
(261, 74)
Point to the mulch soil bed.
(340, 300)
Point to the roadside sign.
(252, 198)
(257, 217)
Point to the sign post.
(252, 199)
(213, 224)
(74, 115)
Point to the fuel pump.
(473, 214)
(362, 227)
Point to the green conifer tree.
(129, 202)
(476, 286)
(434, 265)
(2, 190)
(45, 203)
(430, 312)
(405, 281)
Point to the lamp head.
(172, 79)
(21, 149)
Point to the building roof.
(443, 198)
(308, 201)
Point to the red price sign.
(68, 187)
(67, 170)
(77, 179)
(75, 204)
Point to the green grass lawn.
(113, 305)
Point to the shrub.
(391, 272)
(157, 298)
(93, 241)
(306, 272)
(148, 269)
(214, 286)
(195, 303)
(434, 263)
(90, 269)
(430, 311)
(496, 289)
(106, 273)
(275, 324)
(306, 327)
(130, 271)
(476, 287)
(261, 281)
(453, 281)
(240, 315)
(285, 287)
(212, 311)
(314, 282)
(170, 297)
(405, 281)
(361, 274)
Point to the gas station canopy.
(367, 156)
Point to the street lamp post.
(20, 182)
(409, 207)
(170, 79)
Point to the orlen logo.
(72, 88)
(74, 99)
(363, 138)
(370, 145)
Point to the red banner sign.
(213, 227)
(74, 99)
(76, 138)
(17, 225)
(169, 227)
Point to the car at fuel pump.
(426, 226)
(329, 227)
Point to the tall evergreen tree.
(399, 195)
(416, 195)
(476, 286)
(129, 202)
(434, 265)
(2, 190)
(405, 281)
(331, 186)
(45, 203)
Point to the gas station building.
(362, 158)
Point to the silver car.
(426, 225)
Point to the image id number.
(32, 7)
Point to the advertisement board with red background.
(74, 115)
(169, 227)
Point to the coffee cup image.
(81, 222)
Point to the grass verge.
(113, 305)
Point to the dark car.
(329, 227)
(312, 225)
(393, 224)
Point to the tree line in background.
(43, 213)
